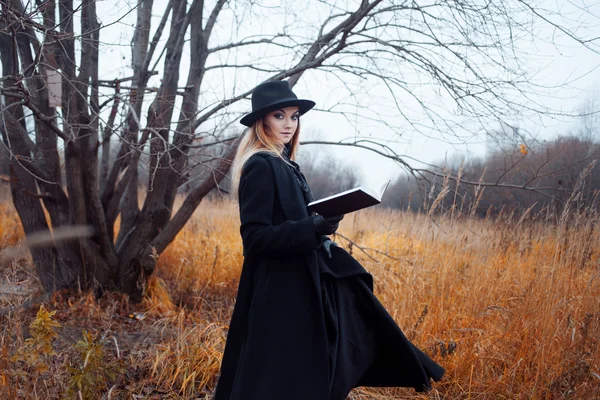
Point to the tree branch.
(421, 171)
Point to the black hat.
(270, 96)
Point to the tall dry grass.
(510, 307)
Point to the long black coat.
(279, 342)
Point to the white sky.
(558, 61)
(567, 66)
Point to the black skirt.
(366, 346)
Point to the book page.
(383, 188)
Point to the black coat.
(279, 344)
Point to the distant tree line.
(563, 169)
(551, 170)
(543, 176)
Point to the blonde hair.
(258, 139)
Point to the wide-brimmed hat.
(270, 96)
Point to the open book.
(348, 201)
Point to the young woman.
(306, 325)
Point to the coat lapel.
(289, 191)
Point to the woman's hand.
(327, 225)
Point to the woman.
(306, 324)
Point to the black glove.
(326, 244)
(327, 225)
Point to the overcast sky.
(565, 74)
(568, 69)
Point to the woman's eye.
(295, 117)
(278, 116)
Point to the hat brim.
(303, 106)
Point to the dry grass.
(510, 309)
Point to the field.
(511, 309)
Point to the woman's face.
(283, 123)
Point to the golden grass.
(10, 228)
(510, 309)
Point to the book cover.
(348, 201)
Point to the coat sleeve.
(257, 197)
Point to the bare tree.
(174, 122)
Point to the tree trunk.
(95, 197)
(24, 195)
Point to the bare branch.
(421, 172)
(247, 42)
